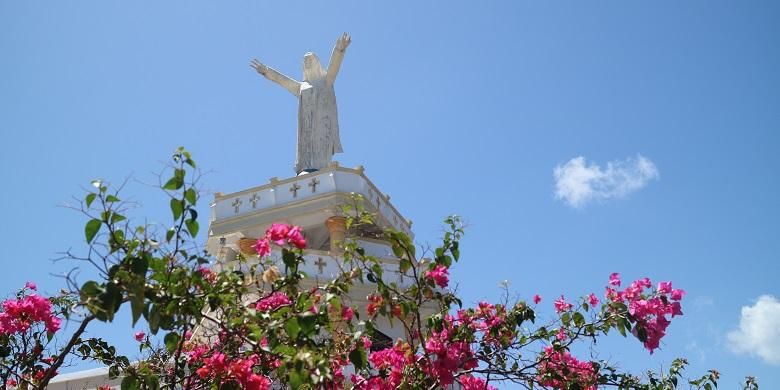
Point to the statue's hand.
(259, 67)
(343, 42)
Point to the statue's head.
(312, 68)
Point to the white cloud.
(759, 330)
(578, 183)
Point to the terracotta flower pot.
(245, 245)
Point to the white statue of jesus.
(318, 122)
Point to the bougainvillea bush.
(259, 322)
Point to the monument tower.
(313, 198)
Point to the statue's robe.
(318, 125)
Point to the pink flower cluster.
(561, 370)
(220, 367)
(207, 274)
(20, 314)
(469, 382)
(347, 313)
(561, 305)
(449, 355)
(439, 275)
(649, 309)
(391, 361)
(488, 319)
(273, 302)
(280, 234)
(374, 303)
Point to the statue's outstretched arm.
(336, 57)
(272, 74)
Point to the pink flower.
(347, 313)
(140, 336)
(561, 305)
(262, 247)
(561, 335)
(649, 311)
(366, 342)
(537, 298)
(52, 324)
(31, 286)
(295, 237)
(374, 303)
(19, 315)
(207, 274)
(593, 300)
(614, 279)
(664, 287)
(273, 302)
(438, 275)
(469, 382)
(278, 233)
(677, 294)
(561, 370)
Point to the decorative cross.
(236, 204)
(313, 184)
(254, 200)
(320, 264)
(294, 189)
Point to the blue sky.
(452, 108)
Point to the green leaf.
(130, 383)
(177, 208)
(152, 383)
(404, 265)
(229, 385)
(288, 257)
(191, 196)
(621, 327)
(90, 289)
(308, 323)
(398, 251)
(192, 227)
(641, 334)
(90, 198)
(137, 305)
(172, 341)
(139, 265)
(111, 300)
(286, 350)
(296, 379)
(358, 358)
(174, 183)
(154, 319)
(115, 217)
(91, 229)
(169, 234)
(112, 198)
(292, 328)
(579, 319)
